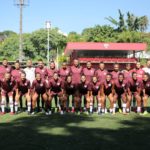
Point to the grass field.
(71, 132)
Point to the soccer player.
(140, 72)
(51, 70)
(84, 93)
(76, 71)
(101, 72)
(23, 89)
(121, 86)
(56, 92)
(16, 72)
(95, 95)
(4, 68)
(115, 71)
(8, 86)
(70, 91)
(109, 91)
(147, 67)
(64, 71)
(146, 91)
(88, 71)
(135, 88)
(38, 89)
(127, 72)
(30, 71)
(41, 69)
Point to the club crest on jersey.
(71, 86)
(58, 83)
(25, 84)
(7, 69)
(41, 84)
(123, 85)
(97, 87)
(85, 86)
(109, 84)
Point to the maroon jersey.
(94, 87)
(127, 74)
(42, 72)
(134, 85)
(115, 75)
(108, 87)
(76, 74)
(3, 70)
(146, 87)
(69, 88)
(101, 75)
(55, 85)
(140, 72)
(16, 74)
(23, 86)
(89, 73)
(63, 73)
(120, 87)
(8, 86)
(50, 73)
(83, 88)
(39, 87)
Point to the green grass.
(73, 132)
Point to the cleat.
(87, 113)
(61, 112)
(43, 111)
(145, 113)
(120, 111)
(33, 113)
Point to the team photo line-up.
(74, 88)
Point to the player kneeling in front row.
(109, 91)
(56, 91)
(121, 89)
(8, 86)
(94, 95)
(38, 90)
(23, 89)
(70, 92)
(135, 91)
(83, 94)
(146, 92)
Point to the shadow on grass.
(71, 132)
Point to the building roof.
(104, 46)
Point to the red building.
(108, 53)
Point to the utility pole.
(48, 27)
(21, 4)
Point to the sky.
(67, 15)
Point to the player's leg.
(17, 99)
(28, 100)
(145, 104)
(115, 96)
(124, 102)
(44, 98)
(128, 104)
(3, 103)
(11, 102)
(138, 100)
(110, 98)
(35, 97)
